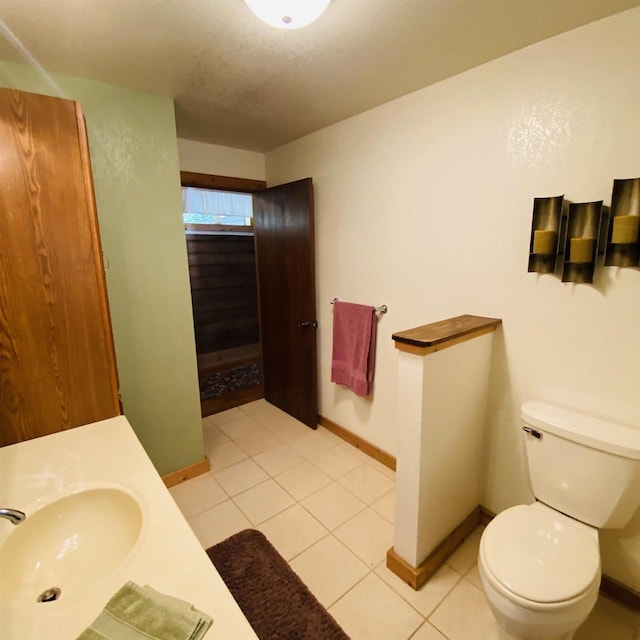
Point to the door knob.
(307, 324)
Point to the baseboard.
(415, 577)
(406, 572)
(366, 447)
(620, 593)
(486, 516)
(186, 473)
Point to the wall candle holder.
(545, 234)
(580, 249)
(623, 238)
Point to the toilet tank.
(583, 466)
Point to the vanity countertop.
(169, 557)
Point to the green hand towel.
(135, 612)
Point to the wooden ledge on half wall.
(436, 336)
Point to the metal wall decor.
(580, 232)
(545, 234)
(583, 230)
(623, 239)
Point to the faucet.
(12, 515)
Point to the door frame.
(237, 185)
(220, 183)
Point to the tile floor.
(329, 510)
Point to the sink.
(66, 547)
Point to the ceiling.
(240, 83)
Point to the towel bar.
(381, 309)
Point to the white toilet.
(540, 563)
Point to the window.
(211, 207)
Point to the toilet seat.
(539, 557)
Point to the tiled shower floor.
(329, 509)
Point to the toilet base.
(503, 634)
(517, 623)
(522, 619)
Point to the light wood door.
(57, 362)
(285, 255)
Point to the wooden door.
(57, 363)
(285, 258)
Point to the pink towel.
(354, 346)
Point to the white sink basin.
(70, 545)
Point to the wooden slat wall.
(224, 291)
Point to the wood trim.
(359, 443)
(486, 516)
(219, 228)
(440, 335)
(620, 593)
(424, 351)
(222, 183)
(406, 572)
(415, 577)
(612, 589)
(92, 210)
(186, 473)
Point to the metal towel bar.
(381, 309)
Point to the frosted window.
(206, 206)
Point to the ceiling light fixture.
(288, 14)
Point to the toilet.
(540, 563)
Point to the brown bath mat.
(277, 604)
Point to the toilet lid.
(540, 556)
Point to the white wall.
(440, 463)
(201, 157)
(424, 204)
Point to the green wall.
(132, 138)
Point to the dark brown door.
(285, 257)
